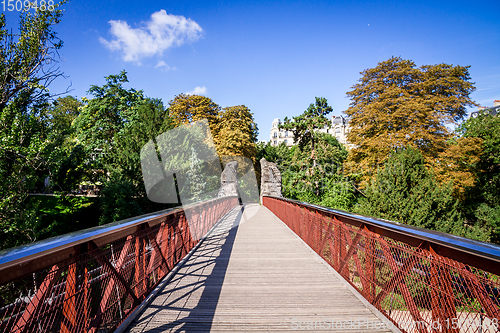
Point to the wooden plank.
(253, 274)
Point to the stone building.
(493, 110)
(280, 135)
(339, 128)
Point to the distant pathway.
(254, 274)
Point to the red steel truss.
(422, 281)
(93, 284)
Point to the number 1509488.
(19, 5)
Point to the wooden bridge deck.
(252, 273)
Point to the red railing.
(92, 280)
(422, 281)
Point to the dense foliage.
(325, 186)
(185, 109)
(481, 201)
(236, 132)
(28, 61)
(405, 191)
(319, 180)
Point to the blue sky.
(272, 56)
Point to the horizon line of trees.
(406, 165)
(92, 140)
(98, 140)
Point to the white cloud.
(162, 32)
(163, 65)
(197, 91)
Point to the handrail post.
(68, 324)
(370, 264)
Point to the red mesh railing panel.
(417, 289)
(95, 290)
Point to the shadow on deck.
(252, 273)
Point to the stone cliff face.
(271, 179)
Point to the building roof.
(494, 110)
(340, 120)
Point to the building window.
(275, 135)
(286, 134)
(286, 141)
(275, 143)
(337, 130)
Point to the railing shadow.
(195, 290)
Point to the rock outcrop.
(229, 180)
(270, 179)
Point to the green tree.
(70, 170)
(101, 118)
(68, 157)
(281, 154)
(124, 194)
(304, 126)
(396, 104)
(487, 128)
(145, 121)
(62, 113)
(265, 150)
(405, 191)
(339, 193)
(28, 57)
(106, 113)
(195, 182)
(113, 126)
(325, 184)
(117, 200)
(28, 65)
(482, 201)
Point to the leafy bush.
(117, 200)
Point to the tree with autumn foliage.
(233, 129)
(184, 109)
(396, 104)
(236, 132)
(236, 141)
(457, 164)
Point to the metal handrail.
(436, 281)
(455, 247)
(42, 247)
(81, 281)
(63, 247)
